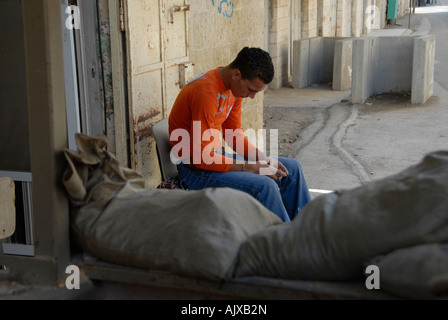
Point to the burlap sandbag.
(190, 233)
(336, 234)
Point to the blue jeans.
(286, 198)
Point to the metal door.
(392, 9)
(88, 64)
(157, 50)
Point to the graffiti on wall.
(225, 7)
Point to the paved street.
(346, 145)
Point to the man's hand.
(270, 167)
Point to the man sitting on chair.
(211, 103)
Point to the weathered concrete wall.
(218, 30)
(340, 19)
(344, 18)
(216, 37)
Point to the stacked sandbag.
(189, 233)
(337, 234)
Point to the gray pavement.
(347, 145)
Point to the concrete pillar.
(357, 18)
(325, 18)
(368, 21)
(279, 41)
(309, 19)
(382, 5)
(343, 16)
(423, 69)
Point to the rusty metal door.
(157, 54)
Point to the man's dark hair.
(254, 63)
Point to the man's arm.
(258, 162)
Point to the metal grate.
(22, 241)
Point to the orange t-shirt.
(203, 109)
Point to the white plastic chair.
(162, 137)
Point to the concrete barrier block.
(361, 76)
(423, 69)
(342, 66)
(393, 64)
(300, 64)
(314, 61)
